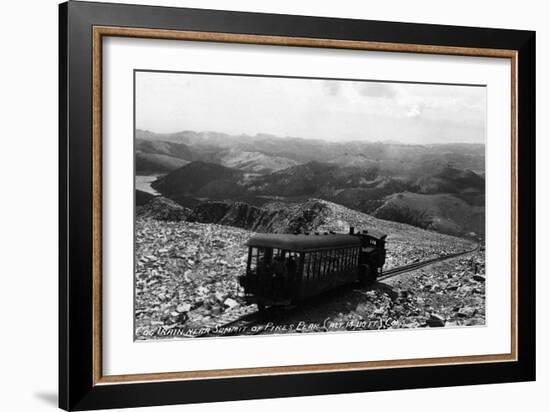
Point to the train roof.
(304, 243)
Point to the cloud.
(415, 110)
(372, 89)
(310, 108)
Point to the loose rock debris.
(186, 277)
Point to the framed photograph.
(256, 205)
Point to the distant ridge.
(439, 187)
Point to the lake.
(143, 183)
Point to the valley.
(439, 187)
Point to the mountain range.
(440, 187)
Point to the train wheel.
(371, 277)
(367, 276)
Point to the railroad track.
(417, 265)
(244, 324)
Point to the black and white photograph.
(278, 205)
(319, 206)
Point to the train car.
(286, 269)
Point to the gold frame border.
(101, 31)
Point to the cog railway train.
(286, 269)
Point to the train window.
(311, 265)
(293, 255)
(256, 256)
(318, 263)
(292, 262)
(259, 257)
(253, 258)
(279, 253)
(345, 258)
(280, 258)
(307, 265)
(268, 256)
(249, 261)
(314, 265)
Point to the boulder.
(231, 303)
(183, 308)
(435, 320)
(466, 312)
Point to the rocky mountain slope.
(186, 272)
(161, 208)
(317, 215)
(275, 218)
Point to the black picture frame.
(77, 390)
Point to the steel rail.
(417, 265)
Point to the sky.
(333, 110)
